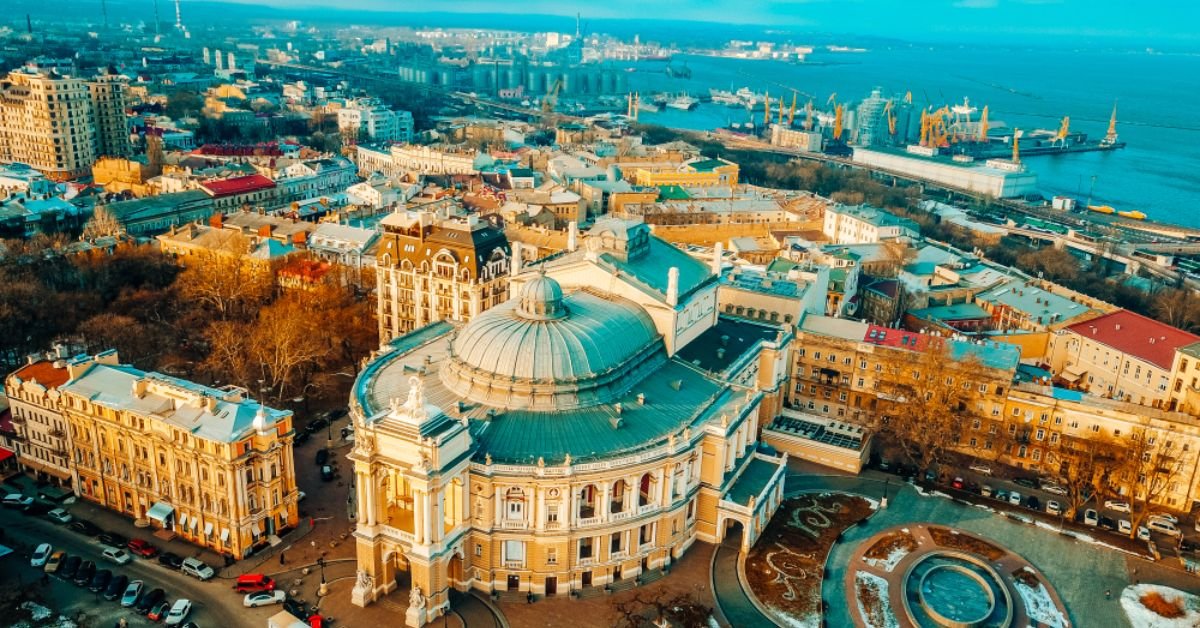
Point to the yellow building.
(120, 174)
(695, 173)
(209, 465)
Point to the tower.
(178, 17)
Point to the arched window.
(646, 490)
(514, 503)
(617, 503)
(587, 501)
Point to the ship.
(683, 102)
(722, 97)
(1132, 214)
(748, 97)
(1101, 209)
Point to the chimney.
(515, 267)
(718, 253)
(572, 236)
(217, 220)
(673, 286)
(265, 231)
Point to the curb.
(712, 583)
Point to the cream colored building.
(37, 417)
(59, 124)
(585, 432)
(209, 465)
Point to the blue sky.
(1152, 21)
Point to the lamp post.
(324, 589)
(886, 483)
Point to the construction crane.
(891, 118)
(766, 108)
(792, 111)
(808, 123)
(635, 102)
(837, 122)
(779, 118)
(1111, 137)
(908, 97)
(1016, 146)
(1063, 131)
(934, 132)
(983, 125)
(550, 101)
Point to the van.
(252, 582)
(196, 568)
(1161, 525)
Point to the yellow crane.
(837, 122)
(779, 119)
(1016, 146)
(891, 118)
(792, 111)
(934, 132)
(808, 123)
(766, 108)
(1064, 131)
(983, 125)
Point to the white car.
(1053, 507)
(1166, 527)
(1014, 498)
(1162, 516)
(1054, 489)
(1143, 533)
(263, 598)
(981, 468)
(1124, 527)
(59, 515)
(17, 500)
(117, 555)
(178, 612)
(41, 555)
(1091, 517)
(1116, 505)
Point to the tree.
(135, 341)
(183, 104)
(1149, 466)
(1176, 307)
(1056, 265)
(102, 224)
(930, 396)
(225, 281)
(646, 610)
(1084, 468)
(287, 343)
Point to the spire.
(260, 420)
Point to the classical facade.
(587, 431)
(211, 466)
(37, 418)
(431, 266)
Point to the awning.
(208, 529)
(183, 520)
(5, 454)
(160, 512)
(224, 534)
(1073, 373)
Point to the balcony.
(620, 516)
(621, 555)
(587, 562)
(513, 524)
(648, 508)
(589, 521)
(397, 533)
(514, 564)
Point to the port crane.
(983, 125)
(934, 133)
(838, 110)
(766, 108)
(1016, 146)
(1110, 138)
(792, 111)
(550, 101)
(1063, 131)
(635, 103)
(891, 118)
(779, 118)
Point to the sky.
(1151, 21)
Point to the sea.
(1157, 97)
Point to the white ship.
(748, 97)
(722, 97)
(683, 102)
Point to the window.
(479, 549)
(552, 556)
(514, 551)
(585, 547)
(514, 500)
(614, 542)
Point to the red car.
(142, 548)
(159, 611)
(253, 582)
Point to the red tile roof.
(44, 372)
(898, 338)
(1135, 335)
(238, 185)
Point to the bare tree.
(1084, 468)
(286, 343)
(230, 284)
(103, 223)
(1147, 471)
(647, 610)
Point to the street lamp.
(324, 589)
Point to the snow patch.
(888, 564)
(1046, 526)
(880, 586)
(1142, 617)
(1039, 606)
(812, 620)
(44, 618)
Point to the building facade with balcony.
(208, 465)
(586, 432)
(38, 424)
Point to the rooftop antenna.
(178, 17)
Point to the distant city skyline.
(931, 19)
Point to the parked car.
(1091, 517)
(100, 580)
(1014, 498)
(253, 582)
(1163, 526)
(327, 473)
(196, 568)
(985, 490)
(70, 567)
(1162, 516)
(83, 577)
(116, 587)
(141, 548)
(1033, 503)
(159, 611)
(1117, 505)
(1053, 507)
(1025, 481)
(170, 559)
(54, 563)
(1107, 523)
(979, 467)
(958, 483)
(85, 527)
(1054, 489)
(41, 555)
(1001, 495)
(263, 598)
(322, 456)
(133, 593)
(338, 413)
(112, 539)
(178, 612)
(1124, 527)
(1143, 533)
(17, 500)
(150, 600)
(300, 438)
(318, 423)
(116, 555)
(59, 515)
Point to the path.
(727, 586)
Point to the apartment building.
(34, 401)
(858, 224)
(368, 119)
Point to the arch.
(587, 501)
(646, 489)
(617, 497)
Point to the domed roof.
(544, 350)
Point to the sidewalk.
(120, 524)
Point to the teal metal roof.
(708, 165)
(957, 312)
(752, 481)
(650, 269)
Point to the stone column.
(371, 489)
(427, 506)
(418, 517)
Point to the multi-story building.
(431, 267)
(34, 401)
(587, 431)
(368, 119)
(210, 465)
(694, 173)
(59, 124)
(1120, 355)
(858, 224)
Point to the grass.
(1162, 606)
(966, 543)
(890, 542)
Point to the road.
(214, 604)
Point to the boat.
(722, 97)
(683, 102)
(1101, 209)
(1132, 214)
(748, 97)
(648, 107)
